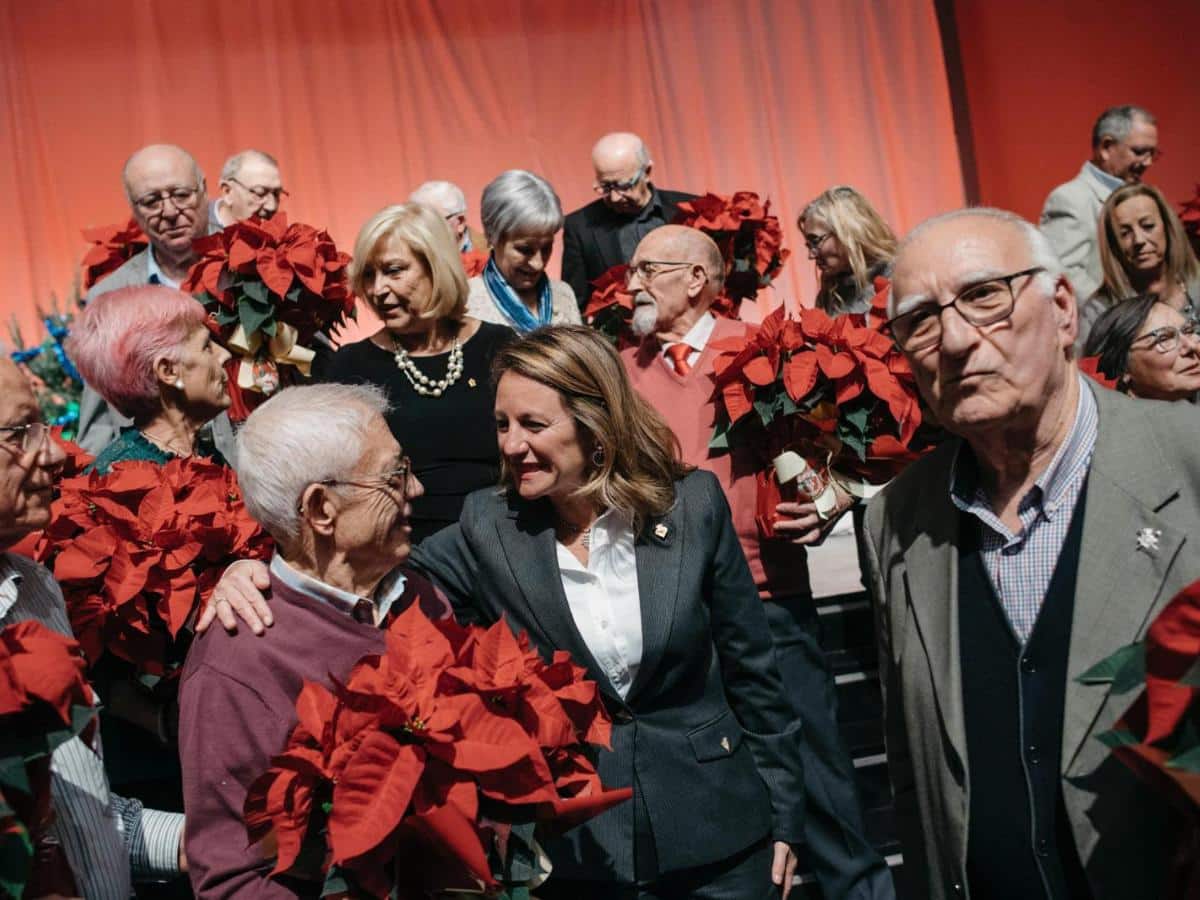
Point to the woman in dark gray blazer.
(604, 544)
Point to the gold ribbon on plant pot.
(262, 375)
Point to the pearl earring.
(179, 383)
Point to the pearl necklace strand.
(422, 383)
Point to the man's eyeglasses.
(619, 187)
(814, 243)
(1165, 339)
(27, 437)
(980, 304)
(180, 197)
(394, 480)
(261, 193)
(648, 269)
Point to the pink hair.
(117, 339)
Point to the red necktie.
(679, 354)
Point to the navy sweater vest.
(1019, 841)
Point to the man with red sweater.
(675, 274)
(321, 471)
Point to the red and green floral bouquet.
(431, 766)
(610, 308)
(139, 550)
(269, 288)
(44, 700)
(815, 399)
(112, 247)
(1159, 735)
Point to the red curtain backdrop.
(361, 100)
(1038, 74)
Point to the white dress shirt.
(696, 338)
(603, 598)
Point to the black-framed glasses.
(620, 187)
(260, 193)
(1165, 339)
(396, 479)
(814, 243)
(648, 269)
(28, 438)
(980, 304)
(180, 197)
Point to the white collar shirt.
(603, 598)
(390, 589)
(696, 338)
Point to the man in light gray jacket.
(1124, 146)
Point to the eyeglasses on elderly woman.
(1165, 339)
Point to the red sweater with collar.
(237, 699)
(780, 568)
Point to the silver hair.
(1041, 253)
(300, 436)
(1117, 122)
(519, 202)
(444, 196)
(234, 164)
(197, 172)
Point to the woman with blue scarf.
(521, 215)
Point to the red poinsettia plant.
(405, 778)
(1090, 366)
(1189, 214)
(270, 288)
(610, 308)
(139, 550)
(44, 701)
(812, 397)
(749, 237)
(112, 246)
(1159, 735)
(474, 261)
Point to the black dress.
(450, 439)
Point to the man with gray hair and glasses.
(1124, 146)
(605, 233)
(1044, 536)
(451, 203)
(166, 193)
(250, 188)
(322, 473)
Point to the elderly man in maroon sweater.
(320, 471)
(675, 274)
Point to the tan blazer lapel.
(1120, 584)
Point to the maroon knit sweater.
(237, 701)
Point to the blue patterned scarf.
(512, 307)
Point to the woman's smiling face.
(539, 439)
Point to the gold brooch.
(660, 530)
(471, 382)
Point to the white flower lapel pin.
(1147, 539)
(661, 531)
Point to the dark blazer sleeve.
(574, 270)
(751, 677)
(447, 559)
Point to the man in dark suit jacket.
(1009, 561)
(605, 233)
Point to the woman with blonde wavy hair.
(604, 543)
(850, 244)
(1143, 250)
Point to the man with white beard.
(675, 274)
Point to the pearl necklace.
(422, 383)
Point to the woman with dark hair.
(603, 543)
(1144, 249)
(1149, 347)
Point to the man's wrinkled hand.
(800, 523)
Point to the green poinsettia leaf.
(765, 409)
(12, 774)
(256, 291)
(295, 292)
(1191, 677)
(16, 856)
(1117, 738)
(226, 316)
(335, 883)
(253, 315)
(1124, 670)
(720, 438)
(1188, 761)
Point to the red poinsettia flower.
(417, 737)
(474, 262)
(139, 550)
(610, 308)
(42, 678)
(1090, 366)
(749, 238)
(112, 246)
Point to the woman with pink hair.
(146, 351)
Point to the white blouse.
(603, 598)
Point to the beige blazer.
(1070, 221)
(563, 308)
(1145, 473)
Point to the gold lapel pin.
(725, 744)
(471, 382)
(660, 530)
